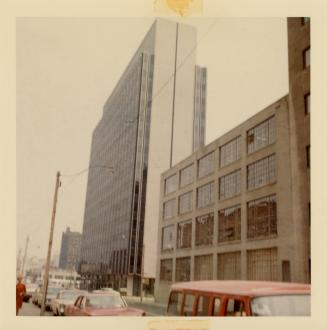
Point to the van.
(239, 298)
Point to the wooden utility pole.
(18, 262)
(25, 253)
(47, 266)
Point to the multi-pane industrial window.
(187, 175)
(183, 269)
(262, 217)
(229, 266)
(204, 230)
(185, 202)
(229, 224)
(230, 185)
(262, 265)
(203, 267)
(171, 184)
(307, 103)
(306, 58)
(262, 172)
(230, 152)
(169, 209)
(261, 135)
(184, 234)
(167, 238)
(166, 270)
(206, 165)
(205, 195)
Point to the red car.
(101, 304)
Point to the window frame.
(307, 103)
(306, 65)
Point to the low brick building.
(239, 208)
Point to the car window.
(188, 304)
(82, 302)
(285, 305)
(216, 305)
(235, 307)
(175, 302)
(78, 300)
(203, 306)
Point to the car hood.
(128, 311)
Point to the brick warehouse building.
(239, 208)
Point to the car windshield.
(285, 305)
(53, 291)
(105, 301)
(69, 295)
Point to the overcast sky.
(67, 68)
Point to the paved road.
(29, 309)
(150, 308)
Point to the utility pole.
(18, 262)
(47, 266)
(25, 253)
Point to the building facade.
(239, 208)
(70, 249)
(147, 126)
(299, 104)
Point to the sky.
(66, 70)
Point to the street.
(151, 308)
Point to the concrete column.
(129, 285)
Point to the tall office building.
(148, 125)
(70, 249)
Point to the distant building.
(70, 249)
(154, 117)
(239, 208)
(61, 277)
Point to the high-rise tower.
(148, 125)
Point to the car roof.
(72, 290)
(104, 293)
(243, 288)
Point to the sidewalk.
(28, 309)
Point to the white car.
(64, 298)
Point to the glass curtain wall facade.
(199, 107)
(113, 230)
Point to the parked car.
(51, 294)
(239, 298)
(30, 289)
(35, 295)
(64, 298)
(101, 304)
(108, 290)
